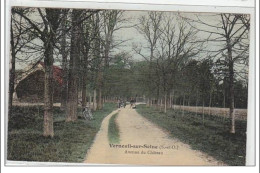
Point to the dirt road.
(155, 146)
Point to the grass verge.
(211, 137)
(69, 144)
(113, 130)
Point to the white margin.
(243, 6)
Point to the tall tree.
(230, 32)
(98, 61)
(74, 64)
(177, 45)
(64, 54)
(47, 33)
(20, 37)
(51, 20)
(149, 27)
(110, 22)
(86, 42)
(170, 44)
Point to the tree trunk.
(64, 88)
(196, 102)
(48, 89)
(73, 82)
(203, 116)
(165, 103)
(106, 52)
(99, 102)
(85, 40)
(12, 75)
(183, 103)
(95, 100)
(224, 99)
(170, 101)
(210, 100)
(89, 100)
(84, 78)
(161, 105)
(147, 104)
(174, 100)
(158, 95)
(64, 92)
(72, 99)
(84, 91)
(98, 62)
(48, 41)
(231, 90)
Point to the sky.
(133, 37)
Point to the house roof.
(57, 73)
(20, 76)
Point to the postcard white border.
(230, 3)
(225, 6)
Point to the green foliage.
(120, 78)
(70, 143)
(212, 138)
(113, 130)
(194, 82)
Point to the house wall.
(31, 88)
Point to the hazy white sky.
(134, 37)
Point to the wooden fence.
(239, 113)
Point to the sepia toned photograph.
(94, 86)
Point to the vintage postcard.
(130, 87)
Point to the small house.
(29, 86)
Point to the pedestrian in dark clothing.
(131, 103)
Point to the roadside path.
(137, 130)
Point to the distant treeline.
(195, 84)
